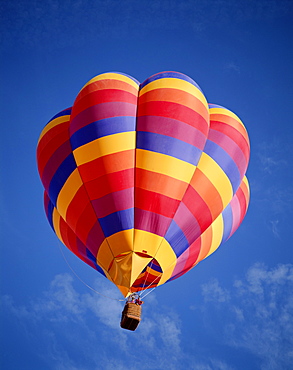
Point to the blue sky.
(234, 310)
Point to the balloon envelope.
(143, 181)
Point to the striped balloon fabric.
(143, 181)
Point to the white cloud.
(263, 309)
(255, 314)
(63, 315)
(272, 191)
(212, 292)
(232, 66)
(271, 155)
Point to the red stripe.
(154, 202)
(54, 162)
(198, 208)
(234, 134)
(175, 111)
(102, 96)
(110, 183)
(68, 236)
(85, 223)
(106, 84)
(49, 144)
(76, 207)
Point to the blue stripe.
(170, 74)
(117, 221)
(176, 239)
(92, 258)
(216, 106)
(224, 160)
(228, 222)
(124, 74)
(50, 209)
(101, 128)
(64, 112)
(155, 266)
(61, 175)
(168, 145)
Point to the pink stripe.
(236, 211)
(231, 147)
(181, 261)
(151, 222)
(173, 128)
(187, 259)
(187, 223)
(95, 238)
(54, 162)
(101, 111)
(113, 202)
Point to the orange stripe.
(206, 242)
(107, 164)
(106, 84)
(160, 183)
(176, 96)
(208, 192)
(231, 122)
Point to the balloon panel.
(143, 181)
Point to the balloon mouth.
(134, 271)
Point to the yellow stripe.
(245, 181)
(146, 242)
(56, 224)
(174, 83)
(166, 257)
(157, 247)
(217, 177)
(113, 76)
(68, 191)
(104, 146)
(153, 272)
(226, 112)
(105, 255)
(121, 242)
(57, 121)
(165, 164)
(218, 229)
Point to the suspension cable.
(80, 279)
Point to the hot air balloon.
(143, 181)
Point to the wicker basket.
(131, 316)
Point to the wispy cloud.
(232, 66)
(212, 292)
(272, 155)
(255, 314)
(86, 319)
(272, 191)
(260, 316)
